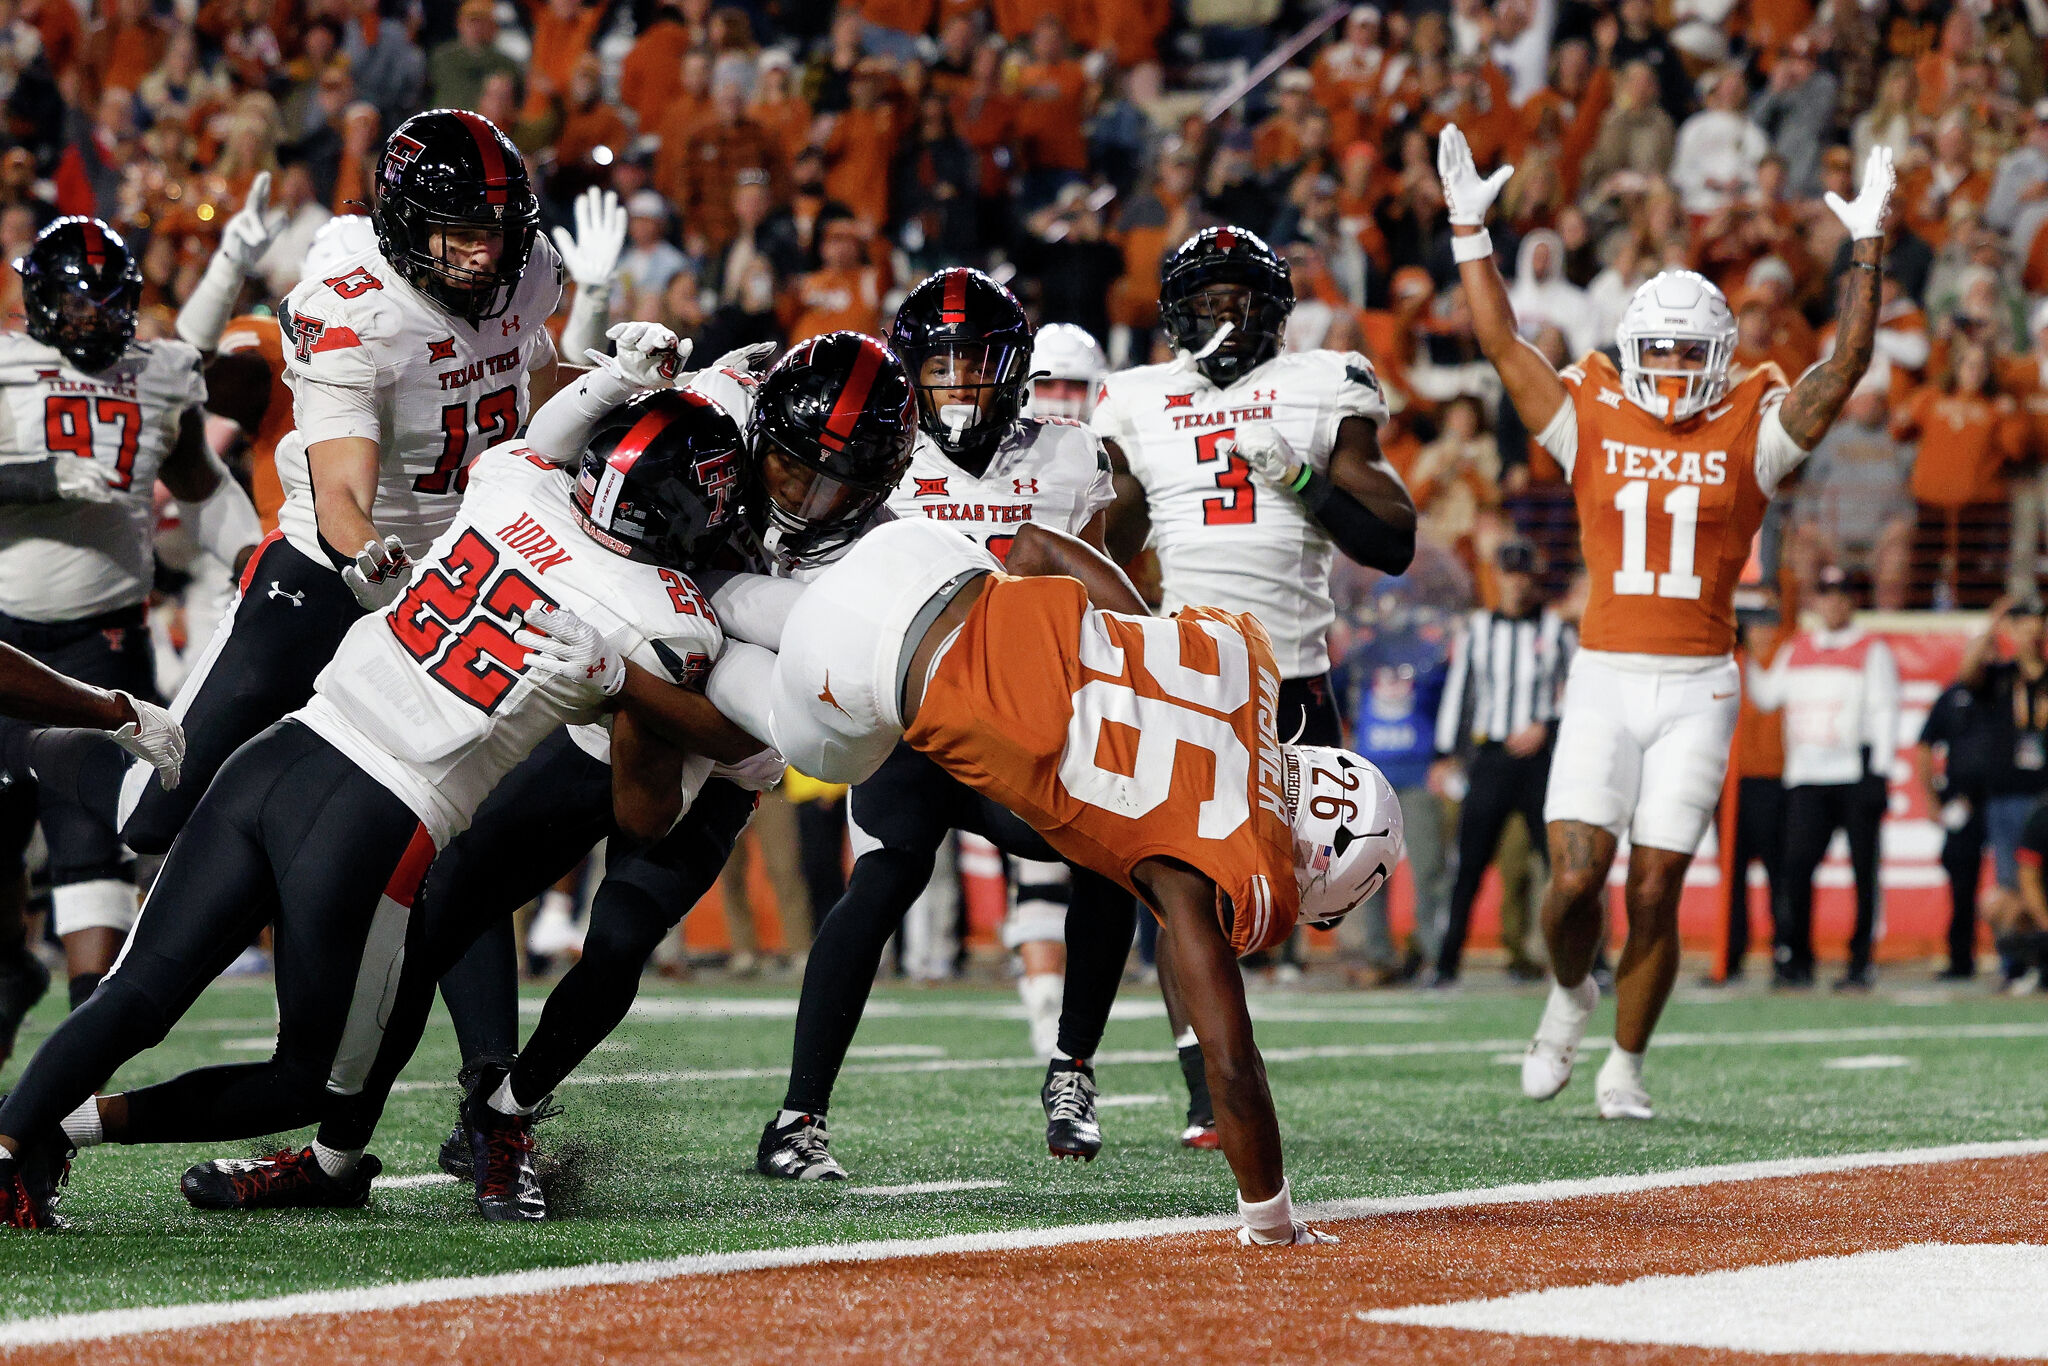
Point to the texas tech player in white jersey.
(1223, 538)
(60, 561)
(372, 357)
(429, 696)
(1046, 470)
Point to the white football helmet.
(1347, 830)
(339, 238)
(1677, 336)
(1066, 367)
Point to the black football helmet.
(447, 170)
(660, 480)
(830, 437)
(1192, 309)
(80, 288)
(962, 335)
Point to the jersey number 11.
(1635, 578)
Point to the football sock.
(1102, 918)
(1622, 1068)
(785, 1118)
(505, 1103)
(82, 1126)
(336, 1162)
(1041, 992)
(82, 987)
(1201, 1110)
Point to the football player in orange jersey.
(1672, 461)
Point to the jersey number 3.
(1635, 577)
(1150, 730)
(1235, 478)
(461, 633)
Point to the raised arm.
(1039, 550)
(1817, 399)
(1532, 385)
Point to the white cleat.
(1621, 1099)
(1547, 1066)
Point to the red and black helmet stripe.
(953, 307)
(853, 396)
(95, 245)
(496, 180)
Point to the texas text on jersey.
(1667, 513)
(430, 697)
(1223, 539)
(61, 561)
(370, 356)
(1046, 470)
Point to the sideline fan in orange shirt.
(245, 383)
(1968, 434)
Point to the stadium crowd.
(789, 167)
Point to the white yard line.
(112, 1323)
(926, 1188)
(406, 1183)
(1421, 1048)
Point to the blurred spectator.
(389, 69)
(650, 260)
(1052, 105)
(722, 145)
(1642, 42)
(651, 73)
(592, 131)
(1891, 120)
(457, 68)
(1953, 764)
(1838, 689)
(1715, 158)
(1456, 479)
(1075, 264)
(2014, 695)
(861, 142)
(562, 34)
(1978, 430)
(1794, 110)
(1637, 134)
(1543, 297)
(777, 108)
(845, 292)
(935, 190)
(1855, 504)
(1755, 829)
(2019, 925)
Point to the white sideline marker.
(114, 1323)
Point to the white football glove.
(1303, 1236)
(592, 255)
(380, 574)
(80, 480)
(155, 737)
(1261, 446)
(761, 773)
(248, 234)
(747, 360)
(1864, 217)
(1466, 194)
(649, 355)
(561, 643)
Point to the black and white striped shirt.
(1506, 674)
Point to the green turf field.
(1379, 1094)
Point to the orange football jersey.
(1666, 513)
(259, 333)
(1124, 738)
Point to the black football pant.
(1962, 858)
(280, 633)
(1498, 785)
(1759, 838)
(900, 815)
(1813, 812)
(111, 650)
(296, 836)
(539, 823)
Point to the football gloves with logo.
(155, 737)
(1864, 216)
(1467, 194)
(566, 645)
(380, 574)
(649, 356)
(1263, 448)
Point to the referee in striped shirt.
(1497, 720)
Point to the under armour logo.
(510, 325)
(1024, 486)
(825, 696)
(277, 590)
(1265, 395)
(596, 669)
(443, 349)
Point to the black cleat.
(454, 1155)
(31, 1185)
(1071, 1129)
(501, 1153)
(282, 1180)
(23, 980)
(796, 1151)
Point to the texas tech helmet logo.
(399, 153)
(718, 474)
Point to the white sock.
(1186, 1038)
(553, 902)
(785, 1118)
(336, 1162)
(1043, 993)
(503, 1101)
(82, 1126)
(1622, 1067)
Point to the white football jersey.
(67, 560)
(428, 388)
(1225, 539)
(1046, 470)
(431, 696)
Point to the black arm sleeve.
(29, 481)
(1356, 529)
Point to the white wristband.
(1270, 1221)
(1475, 246)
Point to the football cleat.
(281, 1180)
(1201, 1126)
(1622, 1100)
(454, 1155)
(501, 1153)
(31, 1185)
(1202, 1136)
(1071, 1129)
(23, 980)
(796, 1151)
(1547, 1066)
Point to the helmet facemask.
(92, 330)
(1255, 318)
(1675, 377)
(810, 511)
(968, 395)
